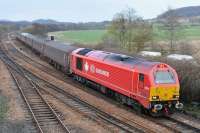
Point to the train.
(147, 86)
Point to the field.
(186, 32)
(80, 36)
(93, 37)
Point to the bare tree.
(131, 31)
(131, 23)
(118, 28)
(36, 29)
(171, 24)
(143, 34)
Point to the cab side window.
(79, 63)
(141, 77)
(141, 81)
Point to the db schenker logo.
(86, 66)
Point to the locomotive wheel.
(138, 108)
(118, 98)
(82, 80)
(103, 89)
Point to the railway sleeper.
(53, 123)
(40, 109)
(44, 116)
(38, 105)
(33, 101)
(46, 119)
(42, 112)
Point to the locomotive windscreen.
(164, 77)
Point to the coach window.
(79, 63)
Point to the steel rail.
(20, 70)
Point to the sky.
(84, 10)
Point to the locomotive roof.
(118, 59)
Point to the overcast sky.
(84, 10)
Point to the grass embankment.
(3, 107)
(80, 36)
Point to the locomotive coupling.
(179, 105)
(158, 107)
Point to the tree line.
(43, 29)
(132, 32)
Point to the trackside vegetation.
(3, 107)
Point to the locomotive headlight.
(175, 96)
(155, 97)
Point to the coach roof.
(66, 47)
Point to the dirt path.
(8, 89)
(15, 119)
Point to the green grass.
(186, 32)
(80, 36)
(92, 37)
(3, 107)
(192, 32)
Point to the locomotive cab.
(164, 93)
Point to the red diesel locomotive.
(152, 86)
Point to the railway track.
(186, 119)
(91, 111)
(75, 102)
(172, 124)
(27, 58)
(44, 117)
(87, 108)
(185, 126)
(175, 125)
(21, 55)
